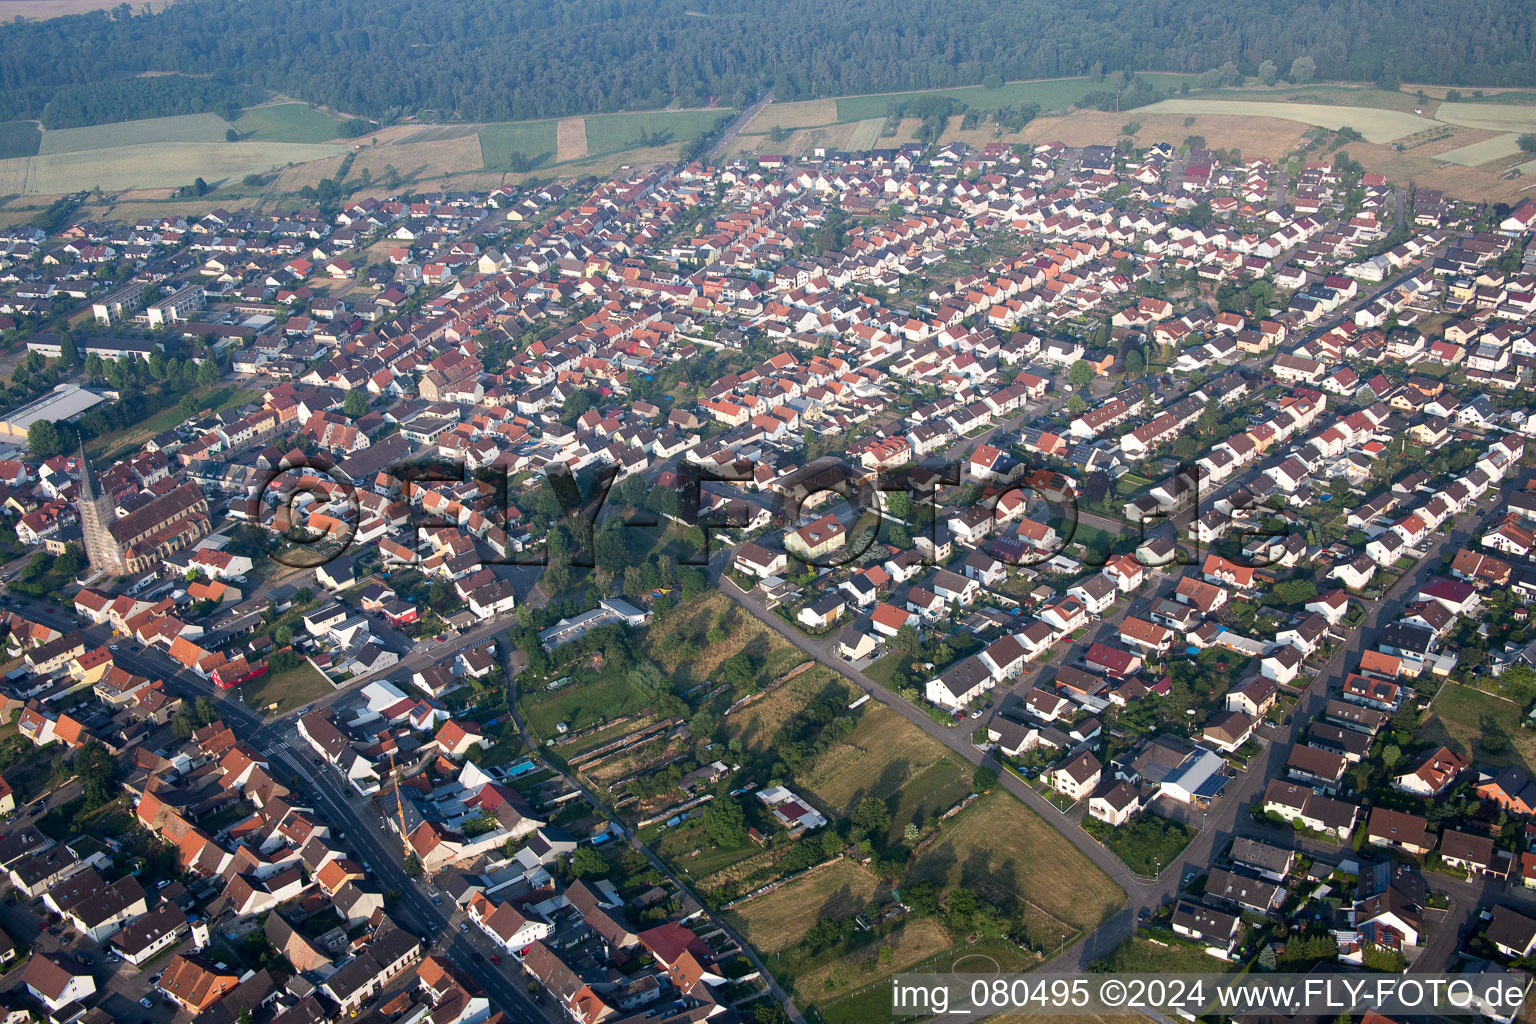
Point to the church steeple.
(90, 487)
(96, 518)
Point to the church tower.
(96, 518)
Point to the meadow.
(609, 133)
(1461, 716)
(147, 131)
(287, 122)
(534, 139)
(781, 918)
(1014, 859)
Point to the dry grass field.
(758, 723)
(781, 918)
(570, 139)
(915, 941)
(866, 134)
(798, 114)
(1376, 124)
(800, 142)
(889, 758)
(1004, 851)
(744, 634)
(419, 160)
(1253, 137)
(164, 164)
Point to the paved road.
(1229, 816)
(737, 124)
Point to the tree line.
(485, 60)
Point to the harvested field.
(866, 134)
(436, 133)
(312, 173)
(1500, 147)
(800, 142)
(570, 139)
(183, 128)
(782, 917)
(915, 941)
(1253, 137)
(1019, 862)
(794, 114)
(1376, 124)
(1493, 117)
(1476, 184)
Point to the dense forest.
(515, 59)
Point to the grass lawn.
(886, 667)
(586, 701)
(1146, 844)
(288, 122)
(288, 690)
(1464, 719)
(534, 139)
(109, 447)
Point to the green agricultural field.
(164, 165)
(19, 138)
(610, 133)
(151, 130)
(288, 122)
(1050, 94)
(1376, 124)
(1500, 147)
(533, 139)
(1493, 117)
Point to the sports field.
(1376, 124)
(287, 122)
(781, 918)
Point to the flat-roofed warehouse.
(65, 402)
